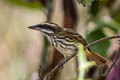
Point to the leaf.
(111, 24)
(95, 7)
(27, 3)
(85, 2)
(102, 47)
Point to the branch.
(49, 6)
(69, 58)
(101, 40)
(50, 10)
(115, 60)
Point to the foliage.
(85, 2)
(84, 65)
(99, 32)
(100, 48)
(27, 3)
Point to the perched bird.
(66, 41)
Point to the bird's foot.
(60, 65)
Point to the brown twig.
(49, 6)
(114, 62)
(101, 40)
(59, 65)
(89, 45)
(50, 10)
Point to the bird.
(66, 41)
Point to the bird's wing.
(75, 35)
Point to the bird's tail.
(92, 56)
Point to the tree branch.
(49, 6)
(101, 40)
(89, 45)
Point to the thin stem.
(101, 40)
(59, 65)
(115, 60)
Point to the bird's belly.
(66, 50)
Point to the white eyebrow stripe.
(49, 24)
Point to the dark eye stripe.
(48, 27)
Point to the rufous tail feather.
(92, 56)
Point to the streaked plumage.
(66, 40)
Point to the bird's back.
(68, 41)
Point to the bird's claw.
(60, 65)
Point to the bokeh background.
(22, 50)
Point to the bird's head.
(47, 28)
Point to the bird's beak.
(34, 27)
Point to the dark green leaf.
(102, 47)
(95, 7)
(27, 3)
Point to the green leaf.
(102, 47)
(27, 3)
(85, 2)
(95, 7)
(111, 24)
(117, 16)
